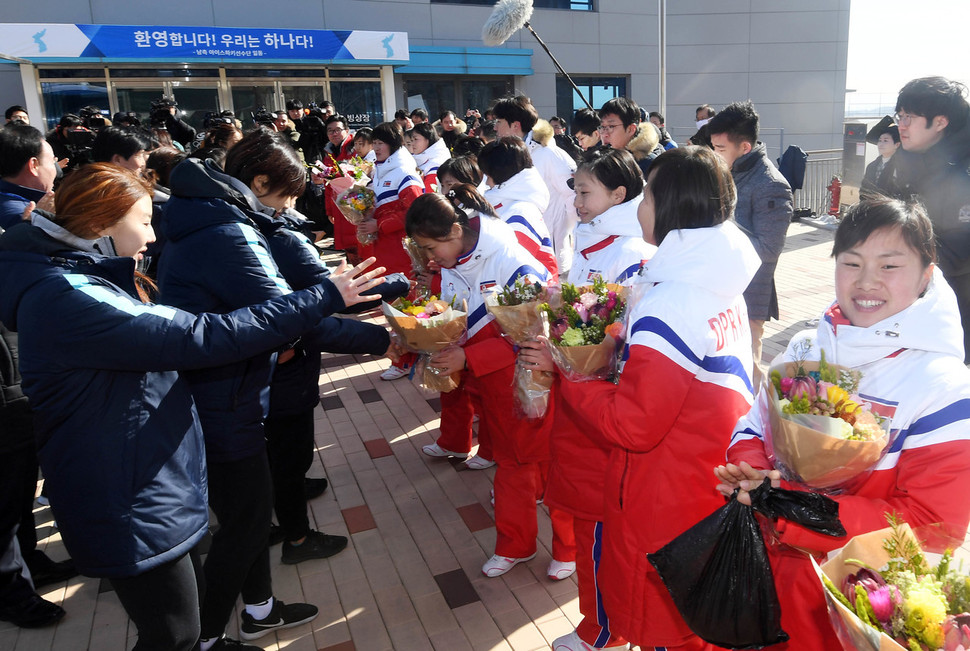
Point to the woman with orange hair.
(118, 433)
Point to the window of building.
(575, 5)
(598, 90)
(61, 98)
(439, 93)
(356, 91)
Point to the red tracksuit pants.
(594, 630)
(457, 409)
(516, 514)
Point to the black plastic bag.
(718, 574)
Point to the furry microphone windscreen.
(507, 18)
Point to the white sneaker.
(478, 463)
(395, 373)
(499, 565)
(572, 642)
(435, 450)
(558, 570)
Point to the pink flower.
(802, 387)
(581, 311)
(589, 299)
(557, 329)
(786, 385)
(956, 628)
(611, 301)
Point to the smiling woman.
(895, 321)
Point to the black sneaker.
(276, 534)
(34, 612)
(314, 487)
(229, 644)
(315, 545)
(282, 616)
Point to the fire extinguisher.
(835, 196)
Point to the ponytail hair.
(466, 197)
(434, 215)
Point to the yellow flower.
(925, 610)
(839, 398)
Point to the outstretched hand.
(352, 283)
(745, 478)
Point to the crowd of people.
(187, 267)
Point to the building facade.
(788, 56)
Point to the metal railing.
(821, 166)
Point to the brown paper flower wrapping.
(800, 447)
(852, 633)
(586, 363)
(427, 336)
(521, 323)
(419, 259)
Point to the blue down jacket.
(119, 438)
(224, 252)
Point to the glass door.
(359, 101)
(137, 98)
(306, 93)
(195, 101)
(248, 98)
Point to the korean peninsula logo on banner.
(38, 41)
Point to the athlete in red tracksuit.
(682, 381)
(396, 185)
(344, 233)
(913, 373)
(609, 245)
(456, 408)
(477, 253)
(681, 385)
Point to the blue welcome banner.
(40, 41)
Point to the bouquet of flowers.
(330, 171)
(585, 328)
(820, 434)
(427, 326)
(419, 259)
(356, 203)
(882, 593)
(359, 168)
(516, 312)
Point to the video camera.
(160, 111)
(263, 117)
(93, 117)
(213, 118)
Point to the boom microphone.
(508, 17)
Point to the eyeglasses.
(606, 128)
(903, 119)
(340, 130)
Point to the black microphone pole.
(564, 73)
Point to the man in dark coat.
(764, 209)
(932, 115)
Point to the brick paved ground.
(420, 531)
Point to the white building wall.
(788, 56)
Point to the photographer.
(71, 141)
(165, 112)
